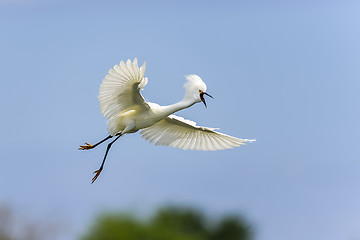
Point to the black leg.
(97, 172)
(88, 146)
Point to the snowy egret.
(127, 112)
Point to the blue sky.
(285, 73)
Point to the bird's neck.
(170, 109)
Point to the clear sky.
(284, 72)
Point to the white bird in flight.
(127, 112)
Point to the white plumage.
(127, 112)
(120, 88)
(178, 132)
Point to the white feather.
(178, 132)
(120, 89)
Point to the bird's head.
(195, 89)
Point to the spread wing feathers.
(121, 87)
(178, 132)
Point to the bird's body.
(128, 112)
(132, 120)
(135, 118)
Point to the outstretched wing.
(178, 132)
(121, 87)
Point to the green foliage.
(111, 227)
(173, 223)
(231, 228)
(169, 223)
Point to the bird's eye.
(200, 91)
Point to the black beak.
(202, 97)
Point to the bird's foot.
(87, 146)
(97, 173)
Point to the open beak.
(202, 97)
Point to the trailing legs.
(97, 172)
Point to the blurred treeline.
(169, 223)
